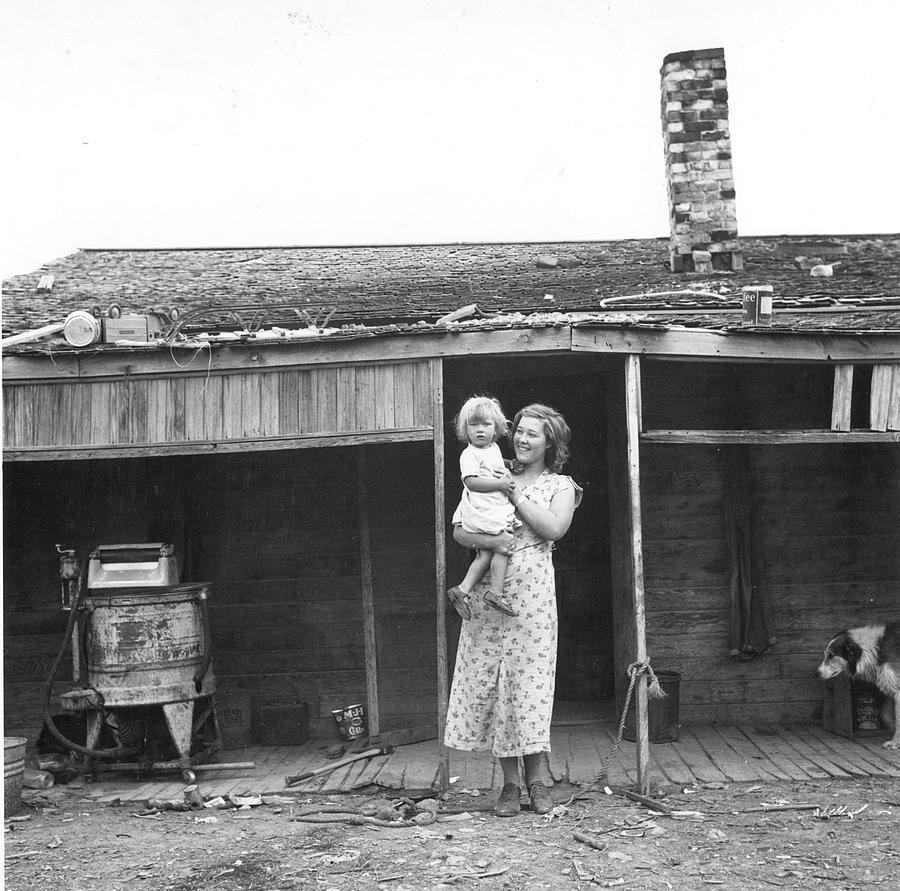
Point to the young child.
(484, 507)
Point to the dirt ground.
(837, 834)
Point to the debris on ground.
(834, 834)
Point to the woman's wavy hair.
(485, 408)
(555, 429)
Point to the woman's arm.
(501, 543)
(551, 523)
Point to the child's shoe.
(460, 601)
(500, 602)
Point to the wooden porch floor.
(703, 753)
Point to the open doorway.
(574, 385)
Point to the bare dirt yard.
(834, 834)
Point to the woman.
(502, 694)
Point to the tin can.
(867, 713)
(756, 302)
(351, 721)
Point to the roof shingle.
(410, 283)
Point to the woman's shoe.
(541, 802)
(500, 603)
(509, 803)
(460, 601)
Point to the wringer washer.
(142, 658)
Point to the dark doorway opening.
(573, 385)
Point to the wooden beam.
(440, 554)
(663, 343)
(842, 397)
(766, 437)
(700, 344)
(633, 427)
(219, 446)
(368, 349)
(34, 334)
(368, 601)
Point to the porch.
(703, 753)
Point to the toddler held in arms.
(485, 507)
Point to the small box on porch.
(233, 711)
(282, 724)
(850, 708)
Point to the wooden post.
(368, 601)
(440, 557)
(842, 397)
(633, 431)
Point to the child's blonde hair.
(480, 408)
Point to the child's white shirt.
(484, 512)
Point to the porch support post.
(632, 444)
(440, 556)
(368, 601)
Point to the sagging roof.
(830, 283)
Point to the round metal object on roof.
(81, 328)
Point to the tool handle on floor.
(300, 777)
(369, 753)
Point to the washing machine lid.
(150, 564)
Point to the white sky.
(221, 123)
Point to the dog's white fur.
(869, 653)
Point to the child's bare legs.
(477, 568)
(485, 544)
(459, 594)
(495, 597)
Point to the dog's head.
(841, 654)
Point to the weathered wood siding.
(826, 519)
(276, 533)
(196, 407)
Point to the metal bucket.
(662, 714)
(13, 773)
(144, 646)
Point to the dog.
(869, 653)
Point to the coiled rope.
(654, 691)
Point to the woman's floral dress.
(501, 699)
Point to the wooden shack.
(291, 433)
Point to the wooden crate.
(839, 706)
(282, 724)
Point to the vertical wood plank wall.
(826, 517)
(277, 534)
(238, 405)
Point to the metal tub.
(13, 772)
(145, 646)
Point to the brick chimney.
(698, 162)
